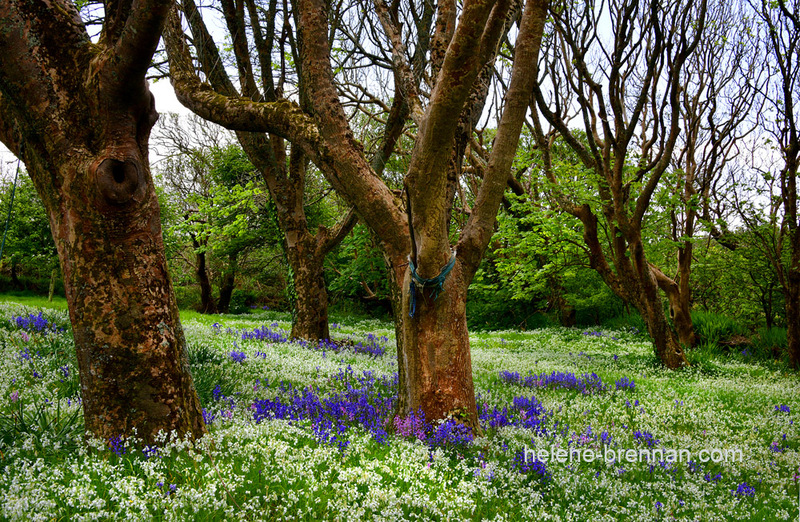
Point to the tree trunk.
(129, 341)
(311, 306)
(793, 318)
(79, 114)
(227, 286)
(667, 345)
(433, 347)
(680, 313)
(439, 366)
(679, 297)
(14, 277)
(642, 284)
(207, 305)
(51, 291)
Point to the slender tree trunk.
(227, 286)
(51, 291)
(14, 277)
(207, 305)
(793, 318)
(396, 272)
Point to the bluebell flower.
(744, 490)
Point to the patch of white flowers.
(277, 470)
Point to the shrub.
(712, 328)
(241, 301)
(770, 343)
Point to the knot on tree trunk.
(120, 181)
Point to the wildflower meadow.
(576, 425)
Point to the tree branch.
(137, 42)
(479, 228)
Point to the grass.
(304, 469)
(34, 301)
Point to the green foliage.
(534, 270)
(770, 343)
(188, 297)
(357, 263)
(51, 428)
(714, 328)
(29, 249)
(739, 283)
(241, 300)
(632, 322)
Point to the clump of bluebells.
(370, 346)
(597, 333)
(525, 413)
(782, 409)
(451, 434)
(117, 445)
(34, 323)
(532, 467)
(448, 434)
(587, 383)
(367, 402)
(626, 384)
(645, 438)
(238, 357)
(265, 334)
(744, 490)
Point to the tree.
(28, 243)
(433, 342)
(719, 93)
(186, 175)
(625, 91)
(284, 175)
(79, 115)
(781, 27)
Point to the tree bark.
(79, 115)
(227, 285)
(793, 319)
(438, 365)
(52, 289)
(207, 304)
(311, 308)
(678, 294)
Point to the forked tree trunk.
(433, 347)
(79, 114)
(668, 348)
(641, 282)
(679, 297)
